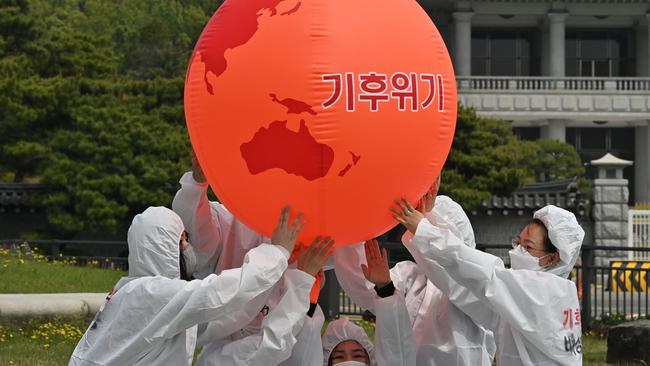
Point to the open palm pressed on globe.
(334, 107)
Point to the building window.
(602, 53)
(527, 133)
(498, 52)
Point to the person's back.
(149, 317)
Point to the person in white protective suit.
(220, 242)
(150, 317)
(444, 334)
(347, 344)
(273, 344)
(532, 308)
(394, 341)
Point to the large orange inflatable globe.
(336, 107)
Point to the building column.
(557, 37)
(463, 44)
(554, 130)
(642, 163)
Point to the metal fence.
(618, 289)
(638, 233)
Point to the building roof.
(532, 197)
(611, 160)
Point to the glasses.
(527, 246)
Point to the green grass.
(595, 350)
(37, 275)
(41, 341)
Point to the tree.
(91, 104)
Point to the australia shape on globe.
(296, 153)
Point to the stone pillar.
(557, 37)
(554, 130)
(463, 44)
(642, 165)
(610, 207)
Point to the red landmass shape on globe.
(355, 160)
(296, 153)
(292, 10)
(237, 25)
(294, 106)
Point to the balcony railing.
(552, 84)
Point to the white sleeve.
(461, 296)
(394, 339)
(202, 301)
(274, 343)
(347, 266)
(308, 351)
(201, 221)
(231, 323)
(531, 302)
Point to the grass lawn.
(40, 341)
(37, 275)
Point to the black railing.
(618, 290)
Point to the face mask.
(351, 363)
(189, 258)
(521, 259)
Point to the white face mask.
(521, 259)
(190, 260)
(351, 363)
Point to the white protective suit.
(150, 317)
(273, 343)
(341, 330)
(534, 315)
(221, 242)
(444, 334)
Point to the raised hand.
(377, 270)
(406, 215)
(285, 234)
(312, 259)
